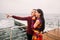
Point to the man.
(29, 22)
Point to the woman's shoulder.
(39, 20)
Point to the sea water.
(8, 31)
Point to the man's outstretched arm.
(20, 18)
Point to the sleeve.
(20, 18)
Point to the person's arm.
(20, 18)
(36, 23)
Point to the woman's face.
(37, 14)
(33, 12)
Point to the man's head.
(33, 12)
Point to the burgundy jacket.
(29, 22)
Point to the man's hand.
(7, 15)
(34, 18)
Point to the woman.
(39, 25)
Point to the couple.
(35, 23)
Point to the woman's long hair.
(42, 18)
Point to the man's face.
(33, 12)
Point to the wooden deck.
(52, 35)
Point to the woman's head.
(39, 13)
(33, 12)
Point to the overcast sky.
(25, 6)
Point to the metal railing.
(13, 34)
